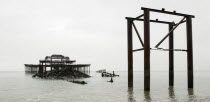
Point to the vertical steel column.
(171, 56)
(130, 52)
(189, 52)
(146, 50)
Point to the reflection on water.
(171, 94)
(130, 95)
(147, 97)
(191, 95)
(172, 97)
(191, 92)
(21, 87)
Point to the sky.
(95, 32)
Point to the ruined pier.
(147, 48)
(56, 62)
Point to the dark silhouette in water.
(106, 74)
(146, 45)
(56, 62)
(60, 67)
(78, 82)
(111, 80)
(61, 74)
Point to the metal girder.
(138, 49)
(161, 49)
(140, 16)
(138, 34)
(167, 12)
(170, 32)
(154, 21)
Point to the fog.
(95, 32)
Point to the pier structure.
(56, 62)
(146, 44)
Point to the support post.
(171, 56)
(130, 52)
(189, 52)
(41, 70)
(45, 67)
(146, 50)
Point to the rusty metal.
(154, 21)
(146, 45)
(170, 32)
(138, 35)
(171, 56)
(138, 49)
(167, 12)
(189, 52)
(146, 50)
(130, 52)
(140, 16)
(162, 49)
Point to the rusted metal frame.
(138, 49)
(154, 21)
(161, 49)
(146, 50)
(174, 50)
(182, 22)
(140, 16)
(130, 52)
(171, 56)
(141, 41)
(170, 32)
(167, 12)
(189, 52)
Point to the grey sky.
(94, 31)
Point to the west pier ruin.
(56, 66)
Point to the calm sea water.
(20, 87)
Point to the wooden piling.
(189, 52)
(171, 56)
(146, 50)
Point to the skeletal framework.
(146, 45)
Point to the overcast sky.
(94, 32)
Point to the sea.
(21, 87)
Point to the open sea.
(21, 87)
